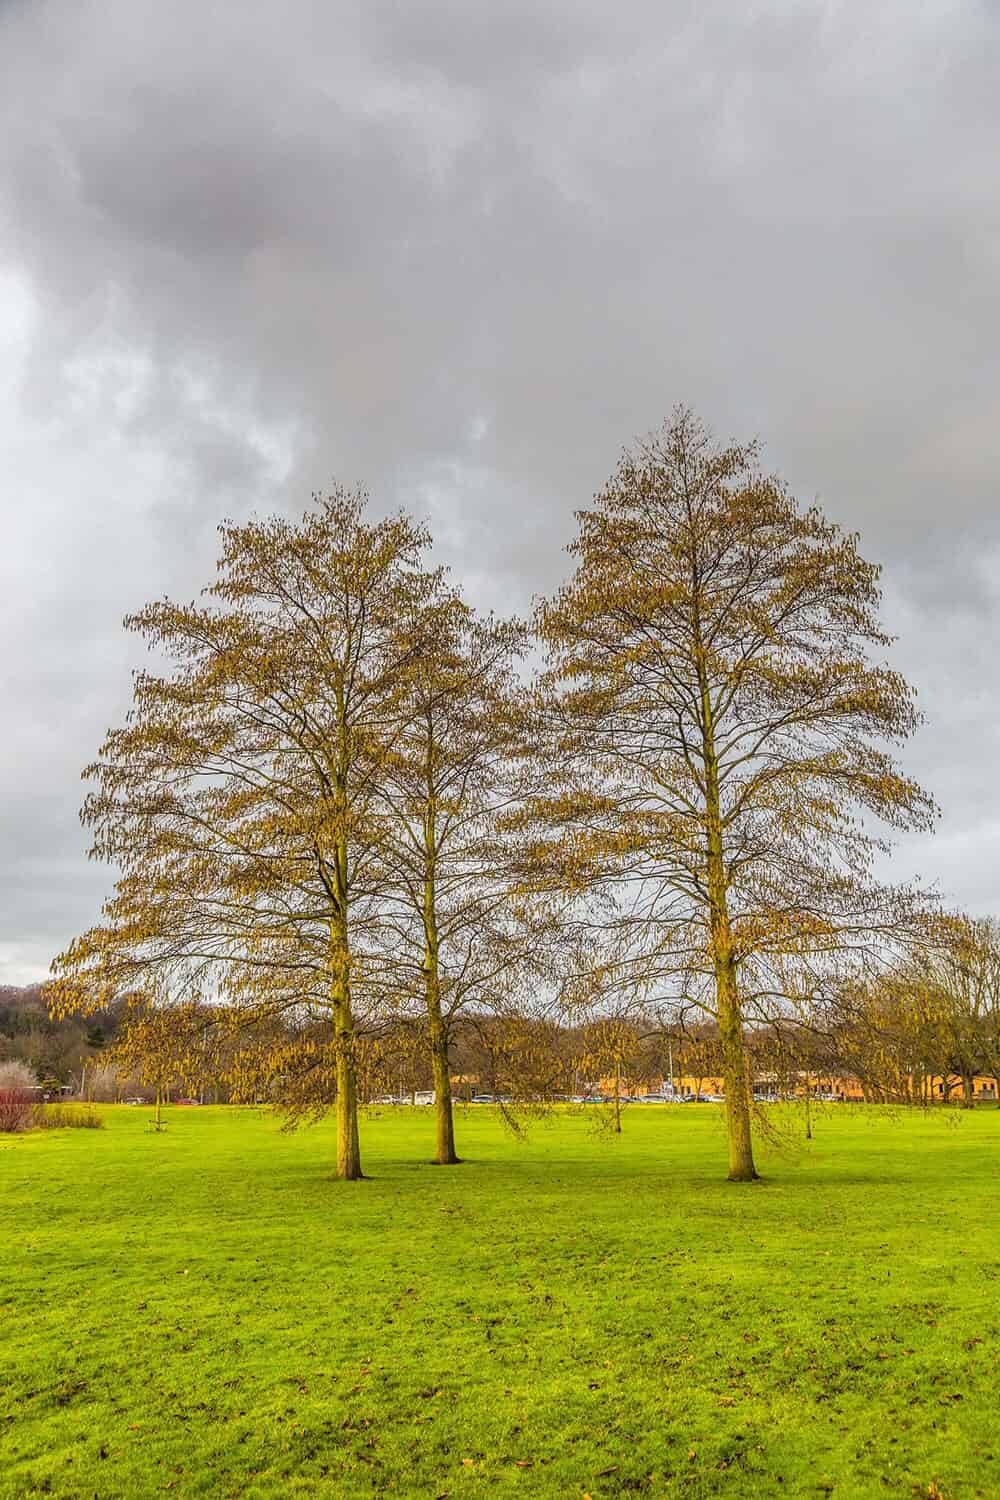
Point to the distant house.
(766, 1087)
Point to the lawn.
(207, 1312)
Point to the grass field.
(207, 1312)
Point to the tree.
(964, 974)
(949, 994)
(611, 1045)
(15, 1074)
(699, 1055)
(451, 779)
(241, 799)
(161, 1046)
(719, 725)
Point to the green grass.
(207, 1312)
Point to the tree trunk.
(348, 1144)
(968, 1091)
(437, 1033)
(728, 1010)
(809, 1129)
(741, 1162)
(618, 1098)
(444, 1114)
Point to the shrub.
(68, 1117)
(17, 1107)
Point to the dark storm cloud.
(464, 254)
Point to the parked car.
(482, 1099)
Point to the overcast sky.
(463, 253)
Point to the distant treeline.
(58, 1051)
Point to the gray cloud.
(464, 255)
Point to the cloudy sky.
(463, 253)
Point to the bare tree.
(720, 724)
(453, 777)
(941, 1007)
(241, 799)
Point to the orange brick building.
(846, 1089)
